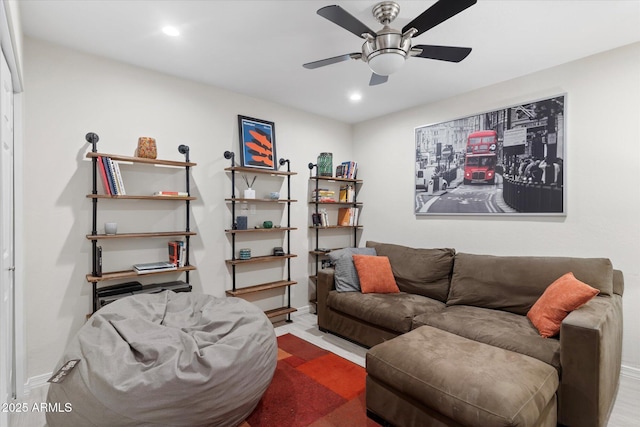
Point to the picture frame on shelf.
(257, 143)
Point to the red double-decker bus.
(480, 158)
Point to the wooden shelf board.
(241, 200)
(259, 171)
(329, 178)
(91, 154)
(126, 274)
(260, 230)
(280, 312)
(140, 235)
(257, 259)
(336, 203)
(336, 226)
(260, 288)
(125, 197)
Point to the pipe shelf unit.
(234, 262)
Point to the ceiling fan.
(386, 50)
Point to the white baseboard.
(630, 372)
(302, 310)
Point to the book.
(344, 217)
(346, 194)
(114, 179)
(177, 253)
(119, 181)
(152, 267)
(315, 220)
(171, 193)
(107, 168)
(348, 217)
(174, 252)
(103, 175)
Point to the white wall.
(603, 164)
(69, 94)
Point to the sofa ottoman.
(429, 377)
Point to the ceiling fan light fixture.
(385, 63)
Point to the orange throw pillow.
(375, 274)
(558, 300)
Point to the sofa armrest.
(324, 284)
(590, 356)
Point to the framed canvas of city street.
(504, 162)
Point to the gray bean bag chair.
(168, 359)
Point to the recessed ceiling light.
(355, 97)
(171, 31)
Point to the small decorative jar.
(147, 148)
(325, 164)
(245, 253)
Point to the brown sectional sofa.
(485, 299)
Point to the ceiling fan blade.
(436, 14)
(329, 61)
(377, 79)
(341, 17)
(443, 53)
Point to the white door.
(7, 361)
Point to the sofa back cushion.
(424, 272)
(514, 284)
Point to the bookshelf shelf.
(260, 230)
(260, 288)
(99, 171)
(259, 171)
(329, 227)
(259, 259)
(238, 200)
(334, 179)
(282, 311)
(238, 290)
(141, 235)
(134, 197)
(128, 274)
(94, 155)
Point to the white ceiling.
(258, 47)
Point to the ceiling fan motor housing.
(387, 41)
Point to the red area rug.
(312, 387)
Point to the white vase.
(249, 193)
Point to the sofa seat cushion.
(495, 327)
(469, 382)
(394, 312)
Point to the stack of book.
(347, 194)
(323, 195)
(347, 170)
(348, 217)
(177, 253)
(111, 176)
(154, 267)
(171, 193)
